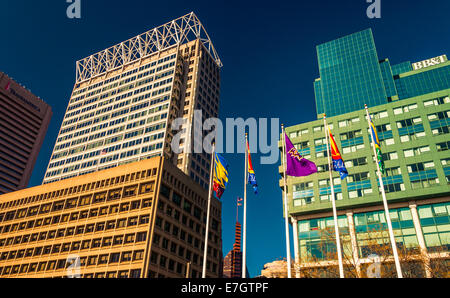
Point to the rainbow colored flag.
(338, 162)
(251, 172)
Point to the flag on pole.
(251, 172)
(376, 142)
(220, 174)
(297, 165)
(338, 162)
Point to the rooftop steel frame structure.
(179, 31)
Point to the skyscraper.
(412, 123)
(351, 75)
(24, 119)
(232, 264)
(126, 97)
(349, 71)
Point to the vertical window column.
(420, 238)
(296, 252)
(354, 242)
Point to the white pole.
(288, 245)
(244, 243)
(205, 254)
(386, 208)
(333, 201)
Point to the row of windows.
(109, 108)
(304, 149)
(175, 230)
(126, 74)
(380, 115)
(80, 188)
(103, 134)
(74, 246)
(61, 264)
(75, 216)
(106, 117)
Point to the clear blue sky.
(268, 52)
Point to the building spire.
(237, 237)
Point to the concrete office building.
(24, 119)
(144, 219)
(413, 128)
(126, 97)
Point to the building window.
(416, 151)
(443, 146)
(434, 220)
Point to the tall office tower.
(126, 98)
(413, 129)
(143, 219)
(351, 75)
(24, 119)
(232, 264)
(349, 71)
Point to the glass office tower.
(349, 71)
(351, 75)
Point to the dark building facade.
(24, 119)
(232, 265)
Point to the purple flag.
(297, 166)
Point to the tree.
(373, 258)
(276, 269)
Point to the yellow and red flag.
(338, 162)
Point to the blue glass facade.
(388, 79)
(401, 68)
(351, 75)
(423, 82)
(371, 229)
(316, 238)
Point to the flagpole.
(288, 245)
(336, 227)
(386, 208)
(244, 243)
(211, 174)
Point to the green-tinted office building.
(351, 70)
(415, 141)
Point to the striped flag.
(376, 141)
(338, 162)
(251, 172)
(220, 175)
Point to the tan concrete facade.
(144, 219)
(24, 119)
